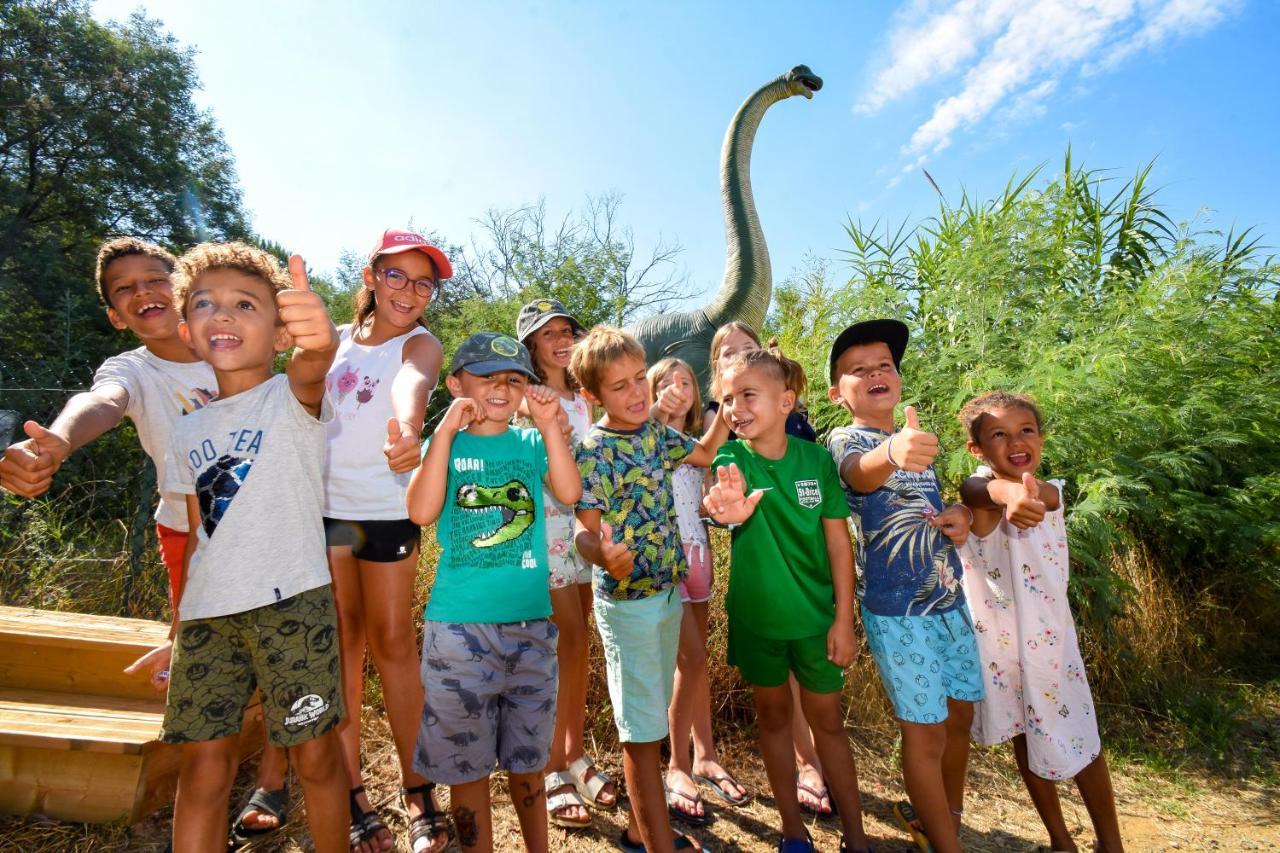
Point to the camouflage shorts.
(288, 649)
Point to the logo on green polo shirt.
(808, 493)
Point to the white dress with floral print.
(564, 565)
(1016, 584)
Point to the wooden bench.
(77, 736)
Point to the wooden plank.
(80, 628)
(97, 670)
(77, 723)
(79, 786)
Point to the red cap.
(394, 241)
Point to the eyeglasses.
(398, 280)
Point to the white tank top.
(358, 485)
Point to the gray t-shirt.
(255, 462)
(160, 392)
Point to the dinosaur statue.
(747, 287)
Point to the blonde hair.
(602, 346)
(123, 247)
(663, 369)
(979, 407)
(240, 257)
(775, 364)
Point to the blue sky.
(347, 118)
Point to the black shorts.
(374, 541)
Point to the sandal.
(716, 784)
(626, 845)
(589, 789)
(274, 803)
(365, 825)
(797, 845)
(677, 813)
(556, 803)
(910, 822)
(428, 827)
(817, 794)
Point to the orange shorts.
(173, 545)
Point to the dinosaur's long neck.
(748, 280)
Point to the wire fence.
(89, 544)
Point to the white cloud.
(1010, 56)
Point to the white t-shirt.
(254, 462)
(160, 392)
(358, 485)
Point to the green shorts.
(766, 662)
(288, 649)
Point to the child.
(913, 609)
(691, 706)
(1016, 582)
(152, 385)
(256, 609)
(488, 648)
(626, 462)
(549, 332)
(779, 494)
(811, 788)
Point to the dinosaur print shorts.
(490, 699)
(925, 660)
(288, 650)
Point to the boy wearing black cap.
(913, 608)
(488, 650)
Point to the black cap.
(486, 353)
(535, 315)
(891, 333)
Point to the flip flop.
(817, 794)
(910, 822)
(713, 782)
(274, 803)
(687, 817)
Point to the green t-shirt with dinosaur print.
(493, 546)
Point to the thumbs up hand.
(303, 313)
(913, 449)
(402, 449)
(27, 467)
(1025, 509)
(671, 404)
(618, 560)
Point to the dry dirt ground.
(1166, 810)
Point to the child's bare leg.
(691, 663)
(205, 776)
(706, 762)
(469, 806)
(348, 600)
(272, 768)
(529, 798)
(1094, 782)
(322, 772)
(571, 700)
(575, 747)
(648, 823)
(808, 766)
(923, 745)
(774, 713)
(825, 716)
(1044, 796)
(955, 758)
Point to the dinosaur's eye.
(513, 493)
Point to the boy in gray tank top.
(256, 611)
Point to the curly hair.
(241, 257)
(979, 407)
(663, 369)
(771, 361)
(122, 247)
(602, 346)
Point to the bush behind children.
(964, 605)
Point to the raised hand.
(954, 521)
(913, 449)
(156, 665)
(303, 313)
(671, 401)
(727, 500)
(1025, 509)
(402, 449)
(619, 561)
(462, 413)
(543, 404)
(27, 467)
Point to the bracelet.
(888, 451)
(966, 509)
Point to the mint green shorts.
(640, 640)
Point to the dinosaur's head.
(803, 81)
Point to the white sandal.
(564, 799)
(589, 789)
